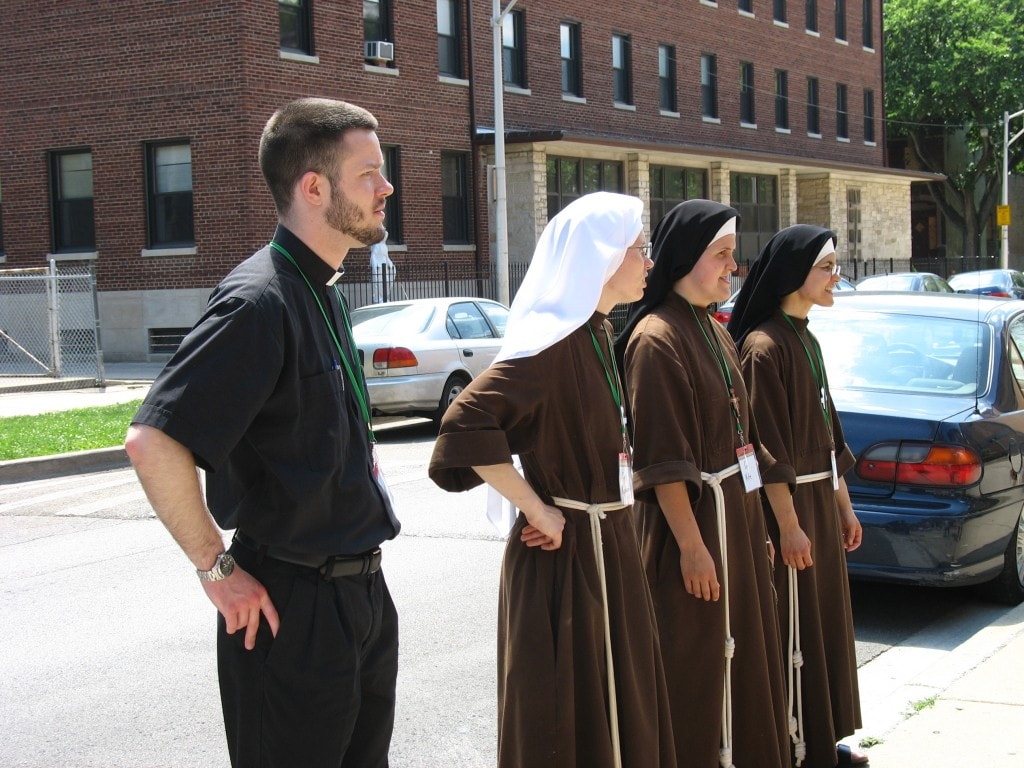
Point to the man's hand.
(241, 599)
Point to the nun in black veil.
(812, 523)
(699, 515)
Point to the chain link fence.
(49, 329)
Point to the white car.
(418, 355)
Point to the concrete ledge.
(61, 464)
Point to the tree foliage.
(953, 67)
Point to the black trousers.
(322, 693)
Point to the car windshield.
(393, 319)
(886, 352)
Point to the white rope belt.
(715, 481)
(596, 513)
(796, 655)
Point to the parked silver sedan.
(418, 355)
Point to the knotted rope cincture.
(596, 513)
(715, 482)
(795, 652)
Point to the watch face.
(225, 565)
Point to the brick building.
(130, 128)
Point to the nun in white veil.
(580, 678)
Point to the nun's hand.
(699, 576)
(544, 529)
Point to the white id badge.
(835, 472)
(748, 467)
(378, 476)
(625, 479)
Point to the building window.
(169, 171)
(622, 66)
(455, 197)
(296, 26)
(756, 198)
(393, 211)
(840, 19)
(71, 201)
(572, 80)
(709, 85)
(868, 24)
(747, 113)
(869, 116)
(842, 113)
(1, 223)
(779, 11)
(377, 28)
(813, 110)
(513, 49)
(782, 99)
(571, 177)
(449, 46)
(811, 15)
(853, 228)
(667, 78)
(747, 6)
(671, 186)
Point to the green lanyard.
(613, 382)
(818, 371)
(723, 365)
(358, 383)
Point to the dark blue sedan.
(929, 391)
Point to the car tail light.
(920, 464)
(385, 358)
(1000, 294)
(722, 317)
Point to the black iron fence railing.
(413, 281)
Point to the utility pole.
(1004, 253)
(500, 197)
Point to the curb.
(62, 464)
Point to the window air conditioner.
(378, 50)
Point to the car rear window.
(887, 352)
(401, 319)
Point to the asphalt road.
(106, 652)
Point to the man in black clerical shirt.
(266, 395)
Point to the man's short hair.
(303, 136)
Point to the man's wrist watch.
(223, 566)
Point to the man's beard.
(344, 216)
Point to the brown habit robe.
(555, 409)
(683, 425)
(785, 400)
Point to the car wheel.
(452, 387)
(1008, 586)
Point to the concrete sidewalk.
(964, 706)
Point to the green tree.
(951, 66)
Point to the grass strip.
(81, 429)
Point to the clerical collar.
(318, 270)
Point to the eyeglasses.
(645, 249)
(833, 269)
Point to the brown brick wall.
(112, 76)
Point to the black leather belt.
(330, 566)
